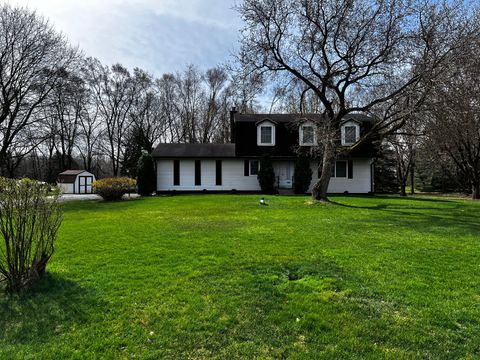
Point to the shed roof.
(69, 176)
(194, 150)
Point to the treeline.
(61, 110)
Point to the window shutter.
(218, 172)
(176, 172)
(198, 172)
(246, 168)
(350, 169)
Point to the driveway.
(76, 197)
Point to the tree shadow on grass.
(398, 202)
(428, 219)
(55, 306)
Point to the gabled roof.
(69, 176)
(266, 120)
(194, 150)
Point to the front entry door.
(284, 175)
(85, 184)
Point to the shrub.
(266, 176)
(145, 175)
(30, 216)
(114, 188)
(303, 175)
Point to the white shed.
(76, 181)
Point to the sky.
(157, 35)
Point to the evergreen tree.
(145, 175)
(135, 144)
(303, 174)
(266, 176)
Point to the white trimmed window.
(307, 135)
(350, 133)
(342, 169)
(266, 134)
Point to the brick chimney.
(232, 124)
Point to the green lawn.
(219, 276)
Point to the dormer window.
(307, 135)
(266, 134)
(350, 133)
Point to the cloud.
(157, 35)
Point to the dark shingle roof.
(285, 118)
(194, 150)
(71, 172)
(69, 176)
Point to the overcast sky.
(156, 35)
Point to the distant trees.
(59, 110)
(454, 122)
(354, 56)
(33, 61)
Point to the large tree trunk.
(412, 178)
(476, 190)
(319, 191)
(403, 186)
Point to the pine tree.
(266, 176)
(145, 175)
(303, 175)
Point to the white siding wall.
(232, 176)
(361, 182)
(66, 188)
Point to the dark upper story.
(281, 135)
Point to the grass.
(219, 276)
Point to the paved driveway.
(75, 197)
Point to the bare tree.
(90, 131)
(215, 80)
(33, 58)
(454, 125)
(146, 111)
(114, 90)
(190, 98)
(354, 55)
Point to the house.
(234, 166)
(76, 181)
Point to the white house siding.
(361, 182)
(232, 176)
